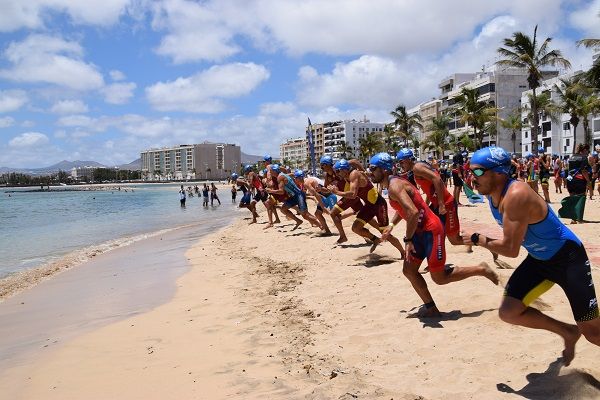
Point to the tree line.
(99, 175)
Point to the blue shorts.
(246, 198)
(297, 200)
(329, 202)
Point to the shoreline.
(14, 282)
(286, 314)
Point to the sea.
(63, 225)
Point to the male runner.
(260, 194)
(424, 238)
(313, 187)
(246, 200)
(374, 205)
(556, 255)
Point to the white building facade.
(294, 152)
(556, 135)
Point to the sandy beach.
(282, 314)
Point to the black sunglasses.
(478, 171)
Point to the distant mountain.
(250, 159)
(135, 165)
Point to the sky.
(105, 80)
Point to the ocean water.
(39, 228)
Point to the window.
(526, 147)
(566, 126)
(567, 141)
(565, 149)
(597, 125)
(526, 134)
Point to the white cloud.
(27, 124)
(587, 19)
(30, 14)
(278, 109)
(204, 92)
(69, 107)
(12, 100)
(118, 93)
(116, 75)
(76, 121)
(29, 139)
(213, 30)
(60, 134)
(6, 122)
(49, 59)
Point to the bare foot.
(342, 239)
(376, 243)
(298, 223)
(268, 226)
(277, 221)
(570, 341)
(489, 273)
(253, 222)
(424, 312)
(494, 256)
(469, 249)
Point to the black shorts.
(569, 268)
(545, 178)
(456, 180)
(576, 186)
(261, 195)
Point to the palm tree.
(369, 145)
(474, 112)
(390, 139)
(569, 99)
(588, 104)
(405, 123)
(593, 75)
(438, 139)
(514, 124)
(345, 149)
(544, 106)
(522, 51)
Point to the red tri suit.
(450, 219)
(429, 239)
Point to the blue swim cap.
(234, 176)
(541, 150)
(275, 168)
(529, 155)
(247, 168)
(299, 173)
(327, 160)
(405, 154)
(267, 158)
(341, 164)
(594, 154)
(382, 160)
(493, 158)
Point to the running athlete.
(532, 171)
(557, 168)
(313, 187)
(295, 197)
(430, 182)
(246, 200)
(424, 237)
(260, 194)
(331, 178)
(375, 206)
(555, 254)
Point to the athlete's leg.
(459, 273)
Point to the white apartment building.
(294, 153)
(501, 88)
(85, 173)
(427, 111)
(556, 136)
(211, 161)
(329, 136)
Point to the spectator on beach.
(182, 196)
(573, 206)
(544, 167)
(557, 168)
(213, 194)
(233, 192)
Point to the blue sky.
(104, 80)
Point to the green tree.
(437, 140)
(522, 51)
(514, 124)
(405, 123)
(390, 139)
(569, 93)
(345, 149)
(474, 112)
(369, 145)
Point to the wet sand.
(285, 314)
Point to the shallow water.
(37, 228)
